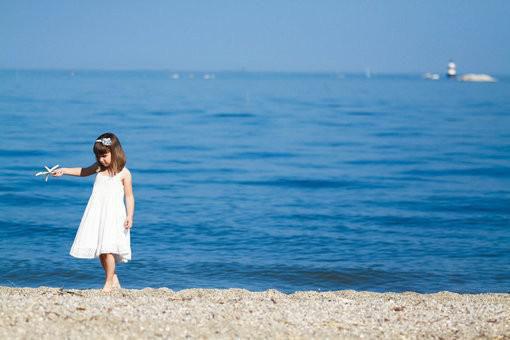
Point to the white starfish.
(48, 172)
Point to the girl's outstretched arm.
(82, 172)
(130, 199)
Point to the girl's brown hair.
(118, 156)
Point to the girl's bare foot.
(116, 283)
(108, 286)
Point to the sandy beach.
(47, 313)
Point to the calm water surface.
(258, 181)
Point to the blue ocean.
(290, 181)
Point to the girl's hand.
(58, 172)
(128, 223)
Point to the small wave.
(176, 147)
(261, 155)
(29, 230)
(361, 113)
(399, 134)
(496, 172)
(23, 153)
(300, 277)
(234, 115)
(157, 171)
(28, 199)
(311, 183)
(452, 204)
(24, 100)
(383, 162)
(111, 113)
(160, 113)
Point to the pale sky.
(341, 36)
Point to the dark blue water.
(257, 181)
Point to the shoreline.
(231, 313)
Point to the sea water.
(264, 180)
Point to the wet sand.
(48, 313)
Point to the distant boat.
(477, 77)
(452, 70)
(175, 76)
(431, 76)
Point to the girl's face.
(105, 159)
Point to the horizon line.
(243, 70)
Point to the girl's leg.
(109, 262)
(101, 258)
(116, 283)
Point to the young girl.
(105, 225)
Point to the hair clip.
(104, 141)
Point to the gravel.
(48, 313)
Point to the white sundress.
(101, 228)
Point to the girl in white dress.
(104, 229)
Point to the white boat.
(431, 76)
(477, 77)
(452, 70)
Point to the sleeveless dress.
(101, 228)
